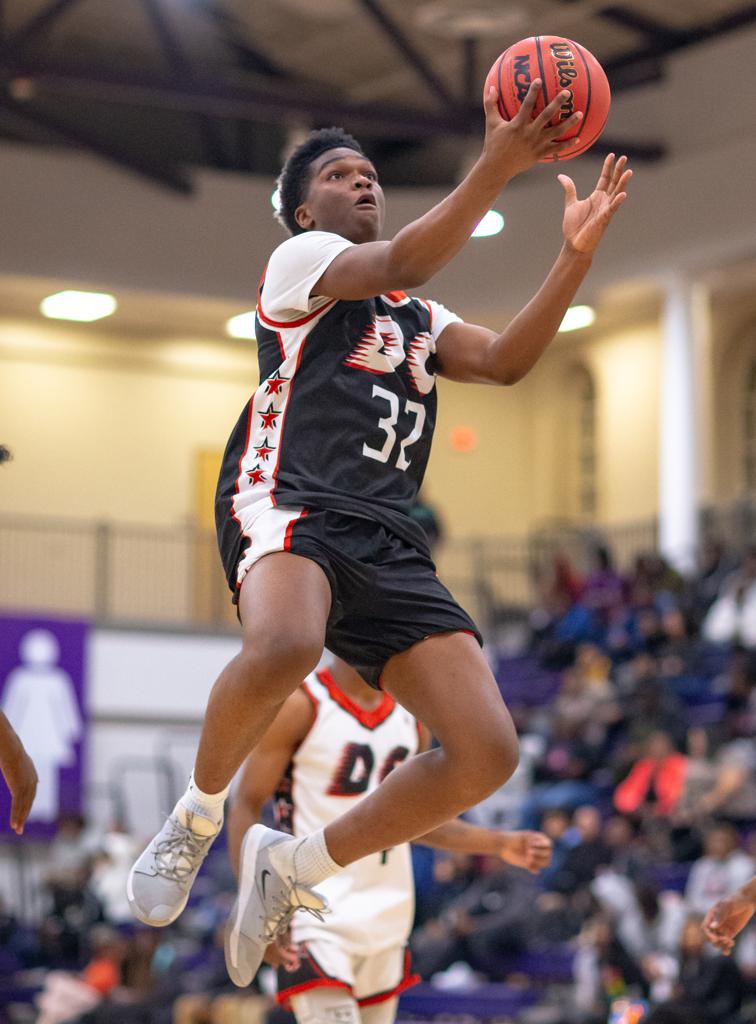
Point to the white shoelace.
(184, 845)
(283, 909)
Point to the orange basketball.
(560, 64)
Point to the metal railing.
(170, 576)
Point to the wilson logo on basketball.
(564, 63)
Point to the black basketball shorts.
(386, 595)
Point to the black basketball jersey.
(344, 414)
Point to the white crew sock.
(202, 812)
(306, 860)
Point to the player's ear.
(304, 218)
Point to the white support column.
(678, 485)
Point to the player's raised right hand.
(513, 146)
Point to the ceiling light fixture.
(491, 224)
(576, 318)
(242, 325)
(83, 307)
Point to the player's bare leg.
(283, 605)
(446, 683)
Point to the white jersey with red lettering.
(345, 755)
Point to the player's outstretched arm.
(426, 245)
(727, 918)
(478, 355)
(529, 850)
(19, 774)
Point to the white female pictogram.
(40, 703)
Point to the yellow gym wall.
(104, 426)
(626, 368)
(108, 426)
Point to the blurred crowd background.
(635, 699)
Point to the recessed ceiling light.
(242, 325)
(81, 306)
(275, 200)
(491, 224)
(577, 317)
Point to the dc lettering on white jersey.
(347, 753)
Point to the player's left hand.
(283, 953)
(725, 920)
(21, 777)
(529, 850)
(586, 220)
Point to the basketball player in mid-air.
(332, 743)
(312, 510)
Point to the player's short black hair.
(5, 453)
(294, 176)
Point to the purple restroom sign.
(43, 694)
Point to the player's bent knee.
(486, 765)
(280, 657)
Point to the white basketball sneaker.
(160, 881)
(266, 903)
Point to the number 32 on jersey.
(388, 425)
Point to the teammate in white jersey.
(333, 742)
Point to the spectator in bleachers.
(656, 781)
(588, 852)
(603, 587)
(563, 774)
(731, 619)
(648, 707)
(629, 856)
(66, 996)
(723, 868)
(738, 684)
(714, 564)
(110, 871)
(710, 984)
(731, 792)
(603, 970)
(491, 917)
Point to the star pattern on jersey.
(263, 450)
(256, 475)
(269, 417)
(274, 384)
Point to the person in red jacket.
(656, 781)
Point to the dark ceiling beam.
(37, 25)
(470, 84)
(643, 71)
(264, 105)
(74, 135)
(666, 45)
(248, 57)
(172, 49)
(414, 58)
(180, 64)
(642, 23)
(246, 102)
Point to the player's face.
(344, 197)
